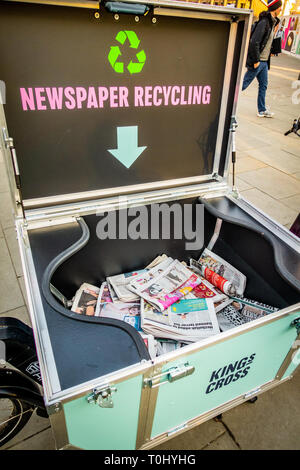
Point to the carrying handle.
(128, 8)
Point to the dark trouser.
(261, 73)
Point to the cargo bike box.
(111, 109)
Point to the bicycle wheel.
(14, 414)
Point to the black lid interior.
(64, 61)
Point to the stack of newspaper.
(171, 304)
(186, 320)
(165, 284)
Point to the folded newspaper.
(242, 311)
(164, 345)
(120, 284)
(85, 300)
(224, 269)
(128, 312)
(187, 320)
(165, 284)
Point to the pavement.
(268, 175)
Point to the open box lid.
(99, 103)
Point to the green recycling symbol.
(114, 53)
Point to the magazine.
(205, 290)
(187, 320)
(224, 269)
(167, 287)
(128, 312)
(86, 299)
(149, 274)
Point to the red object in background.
(295, 228)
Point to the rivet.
(137, 19)
(154, 20)
(116, 17)
(97, 15)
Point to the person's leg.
(249, 77)
(262, 78)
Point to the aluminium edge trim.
(51, 383)
(143, 367)
(116, 202)
(225, 96)
(210, 414)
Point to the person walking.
(259, 53)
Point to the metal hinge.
(170, 375)
(101, 396)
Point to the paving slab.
(274, 208)
(10, 293)
(293, 202)
(23, 289)
(242, 185)
(224, 442)
(270, 136)
(273, 182)
(13, 247)
(35, 426)
(20, 313)
(41, 441)
(196, 438)
(296, 175)
(6, 211)
(276, 158)
(244, 141)
(4, 186)
(272, 422)
(248, 163)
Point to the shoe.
(266, 114)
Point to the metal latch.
(101, 396)
(171, 375)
